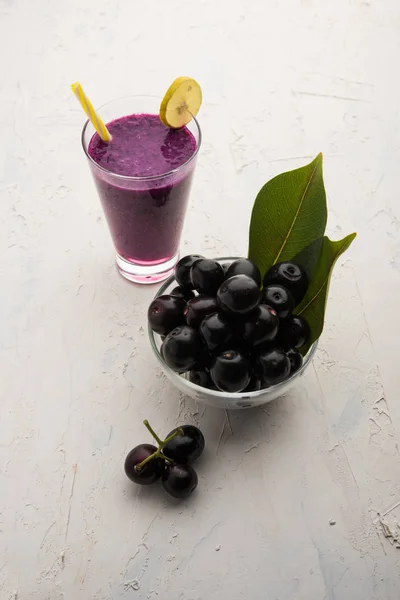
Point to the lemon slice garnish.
(181, 102)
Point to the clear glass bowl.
(215, 398)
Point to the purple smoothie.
(145, 216)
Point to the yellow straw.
(91, 113)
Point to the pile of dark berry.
(224, 330)
(169, 461)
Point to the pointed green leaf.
(288, 214)
(312, 307)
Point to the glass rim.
(134, 177)
(217, 393)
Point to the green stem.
(153, 433)
(161, 444)
(144, 462)
(156, 454)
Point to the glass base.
(146, 273)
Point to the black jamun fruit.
(206, 276)
(179, 481)
(296, 360)
(201, 377)
(262, 325)
(239, 294)
(151, 470)
(216, 331)
(230, 371)
(182, 270)
(244, 266)
(185, 448)
(291, 276)
(182, 348)
(198, 308)
(182, 293)
(274, 366)
(165, 313)
(280, 299)
(294, 332)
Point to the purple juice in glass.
(143, 177)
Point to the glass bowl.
(216, 398)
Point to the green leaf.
(312, 307)
(309, 256)
(288, 214)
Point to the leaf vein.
(296, 215)
(315, 295)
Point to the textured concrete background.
(296, 500)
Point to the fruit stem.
(151, 430)
(158, 453)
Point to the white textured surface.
(289, 497)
